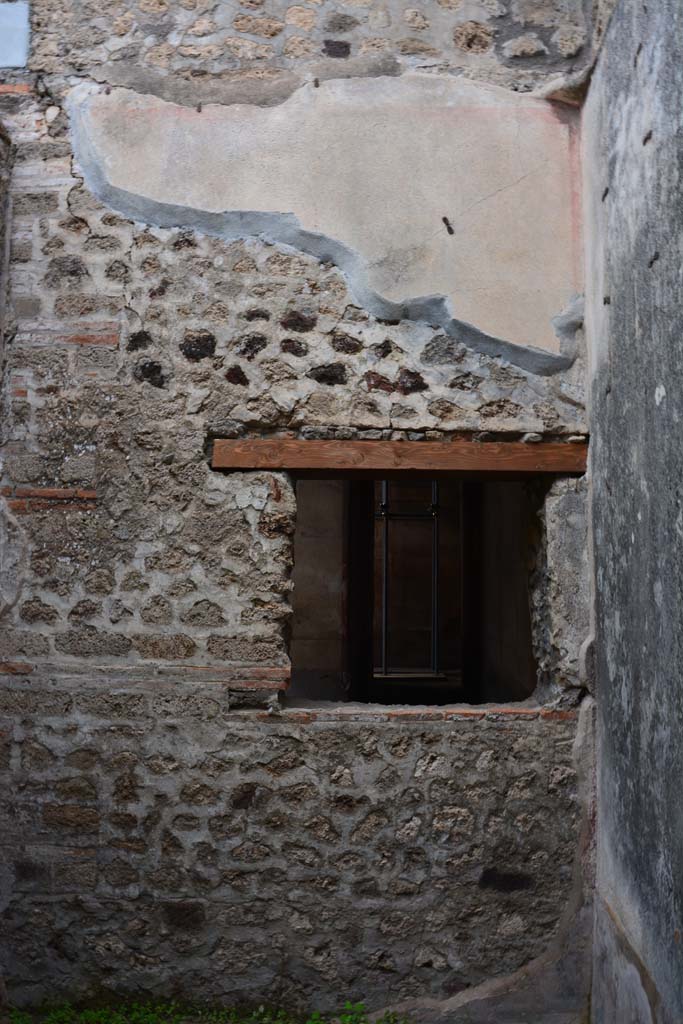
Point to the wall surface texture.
(133, 345)
(5, 171)
(167, 825)
(157, 842)
(634, 161)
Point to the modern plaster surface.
(419, 187)
(634, 154)
(14, 34)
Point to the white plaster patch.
(14, 34)
(435, 186)
(660, 394)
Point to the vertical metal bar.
(461, 571)
(435, 576)
(385, 573)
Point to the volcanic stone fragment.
(198, 345)
(336, 48)
(297, 321)
(346, 344)
(410, 381)
(151, 372)
(250, 345)
(138, 340)
(294, 347)
(329, 373)
(236, 375)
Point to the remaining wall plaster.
(437, 197)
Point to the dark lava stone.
(198, 345)
(329, 373)
(296, 321)
(150, 372)
(138, 340)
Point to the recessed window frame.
(464, 458)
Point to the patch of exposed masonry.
(285, 229)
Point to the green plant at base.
(175, 1013)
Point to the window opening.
(411, 590)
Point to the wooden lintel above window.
(386, 458)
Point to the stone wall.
(133, 346)
(161, 834)
(155, 841)
(633, 192)
(223, 48)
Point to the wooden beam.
(386, 458)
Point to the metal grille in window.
(417, 581)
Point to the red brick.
(24, 506)
(245, 677)
(417, 715)
(512, 712)
(558, 714)
(106, 340)
(15, 668)
(14, 88)
(300, 717)
(23, 500)
(56, 493)
(474, 713)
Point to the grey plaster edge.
(285, 229)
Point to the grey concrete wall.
(634, 159)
